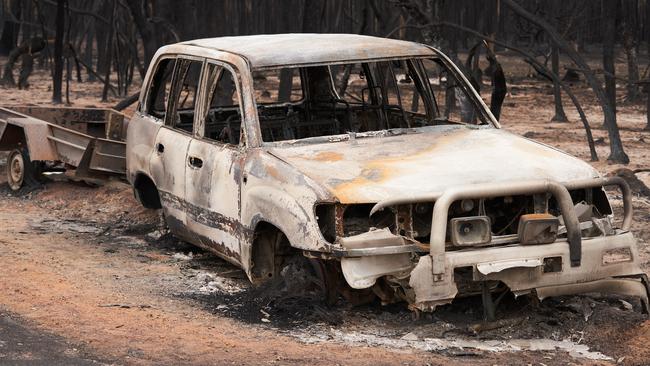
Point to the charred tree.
(539, 67)
(559, 116)
(313, 16)
(10, 28)
(57, 78)
(111, 33)
(617, 152)
(630, 32)
(29, 47)
(630, 45)
(126, 102)
(609, 42)
(146, 28)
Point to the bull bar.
(443, 201)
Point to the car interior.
(324, 100)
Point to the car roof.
(272, 50)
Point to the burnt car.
(376, 159)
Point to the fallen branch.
(124, 103)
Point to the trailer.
(89, 142)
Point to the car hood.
(371, 169)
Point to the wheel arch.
(268, 245)
(12, 137)
(146, 192)
(31, 133)
(271, 205)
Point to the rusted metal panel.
(36, 136)
(363, 272)
(64, 134)
(430, 293)
(70, 145)
(368, 171)
(96, 122)
(109, 156)
(8, 113)
(620, 286)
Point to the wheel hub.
(16, 171)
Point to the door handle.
(195, 162)
(160, 148)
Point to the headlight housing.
(538, 228)
(469, 231)
(340, 220)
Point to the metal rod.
(610, 181)
(441, 210)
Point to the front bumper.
(522, 270)
(581, 268)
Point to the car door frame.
(213, 211)
(144, 126)
(173, 200)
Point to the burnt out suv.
(374, 158)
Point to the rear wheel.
(20, 170)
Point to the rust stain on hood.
(431, 160)
(328, 156)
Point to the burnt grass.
(590, 319)
(577, 318)
(556, 318)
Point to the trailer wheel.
(20, 170)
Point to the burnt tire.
(298, 277)
(21, 171)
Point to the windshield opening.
(364, 97)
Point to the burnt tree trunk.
(629, 45)
(630, 34)
(107, 79)
(498, 82)
(560, 116)
(609, 40)
(145, 27)
(647, 34)
(28, 47)
(10, 29)
(101, 36)
(286, 84)
(313, 16)
(58, 52)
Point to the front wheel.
(20, 170)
